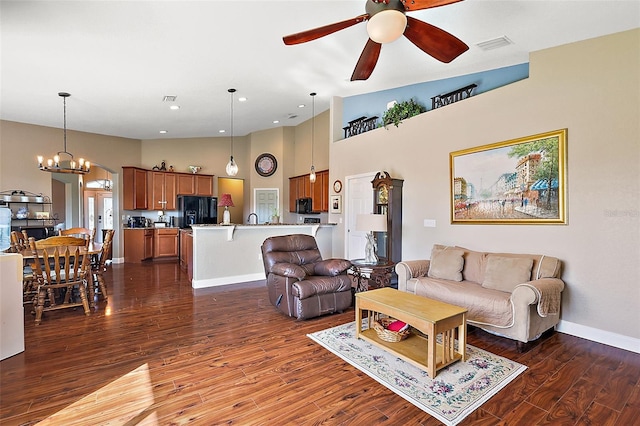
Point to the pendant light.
(312, 175)
(232, 167)
(55, 165)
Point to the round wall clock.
(266, 164)
(337, 186)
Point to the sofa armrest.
(546, 292)
(331, 267)
(410, 269)
(288, 270)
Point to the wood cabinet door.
(186, 184)
(134, 189)
(162, 191)
(165, 243)
(148, 244)
(320, 192)
(170, 191)
(156, 186)
(204, 185)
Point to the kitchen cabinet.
(320, 192)
(301, 187)
(138, 244)
(186, 184)
(165, 243)
(157, 190)
(203, 185)
(161, 190)
(186, 252)
(134, 188)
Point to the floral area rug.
(453, 394)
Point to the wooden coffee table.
(430, 317)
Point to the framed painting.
(335, 205)
(520, 181)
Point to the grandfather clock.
(387, 199)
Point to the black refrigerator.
(196, 210)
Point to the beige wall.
(591, 88)
(20, 143)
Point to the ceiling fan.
(388, 21)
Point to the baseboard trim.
(213, 282)
(600, 336)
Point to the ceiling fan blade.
(367, 61)
(425, 4)
(316, 33)
(434, 41)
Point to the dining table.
(93, 249)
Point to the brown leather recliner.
(300, 283)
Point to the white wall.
(592, 89)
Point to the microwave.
(304, 206)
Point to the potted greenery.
(402, 110)
(275, 217)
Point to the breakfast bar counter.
(229, 254)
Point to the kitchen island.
(229, 254)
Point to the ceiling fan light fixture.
(386, 26)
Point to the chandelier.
(55, 164)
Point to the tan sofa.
(512, 295)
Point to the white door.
(265, 204)
(98, 210)
(359, 200)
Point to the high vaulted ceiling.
(118, 59)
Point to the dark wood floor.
(158, 353)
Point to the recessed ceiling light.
(174, 107)
(242, 99)
(162, 132)
(301, 106)
(221, 131)
(276, 121)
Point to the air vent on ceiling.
(169, 98)
(291, 116)
(494, 43)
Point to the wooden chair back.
(57, 240)
(79, 232)
(19, 241)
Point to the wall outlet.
(429, 223)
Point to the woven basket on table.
(380, 326)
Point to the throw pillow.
(446, 263)
(505, 273)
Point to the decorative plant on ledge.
(401, 111)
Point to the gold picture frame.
(508, 182)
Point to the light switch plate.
(429, 223)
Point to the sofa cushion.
(473, 269)
(485, 306)
(446, 263)
(505, 273)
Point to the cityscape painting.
(520, 181)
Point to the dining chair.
(99, 266)
(59, 271)
(19, 241)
